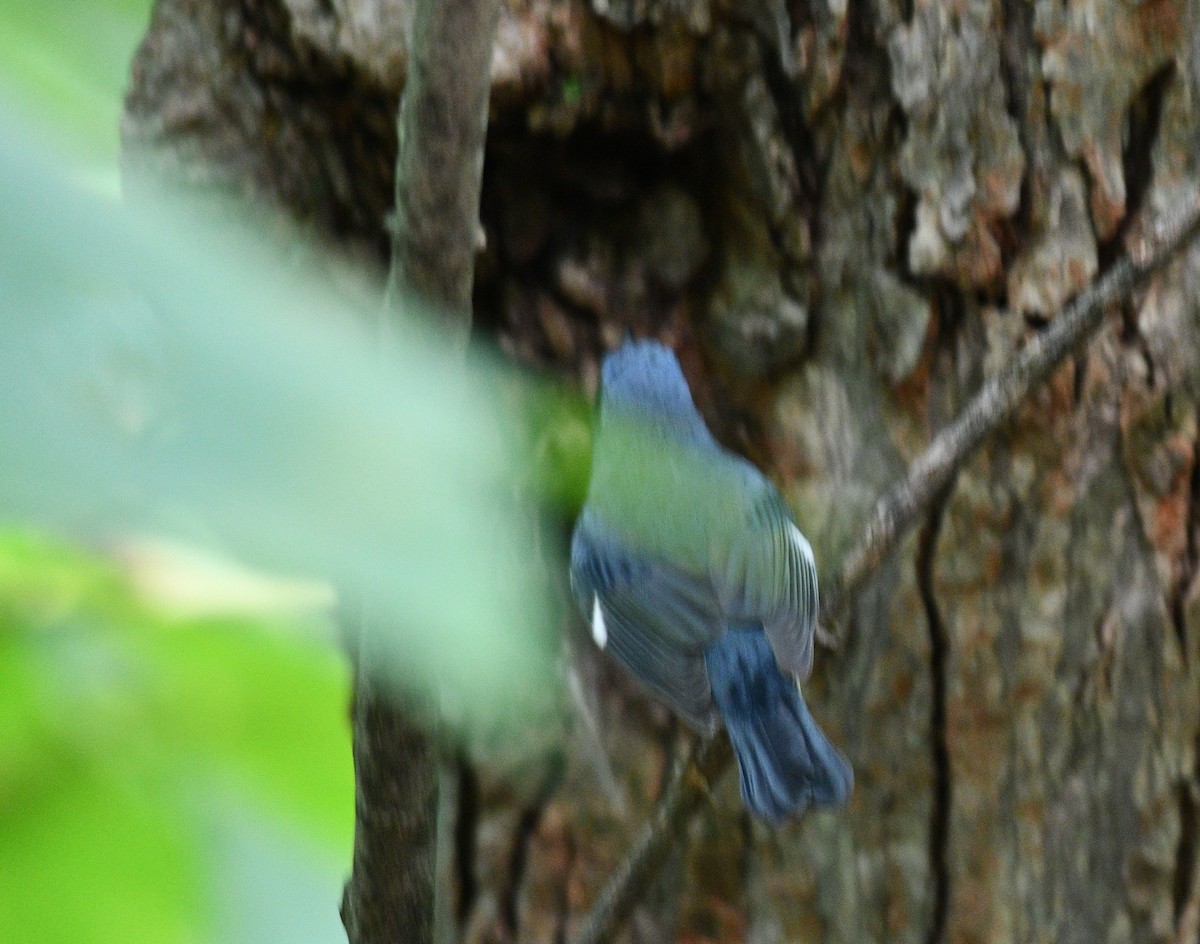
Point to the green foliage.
(166, 373)
(180, 402)
(561, 447)
(572, 90)
(120, 726)
(66, 63)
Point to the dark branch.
(894, 514)
(686, 788)
(390, 893)
(439, 165)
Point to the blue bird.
(687, 564)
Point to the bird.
(692, 574)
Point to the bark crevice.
(1185, 855)
(1186, 888)
(465, 826)
(939, 818)
(1143, 119)
(527, 825)
(1190, 566)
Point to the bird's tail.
(785, 760)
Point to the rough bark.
(390, 894)
(846, 216)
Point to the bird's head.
(643, 378)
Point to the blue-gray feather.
(785, 761)
(659, 622)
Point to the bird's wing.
(656, 620)
(767, 574)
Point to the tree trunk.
(844, 216)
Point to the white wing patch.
(801, 542)
(599, 630)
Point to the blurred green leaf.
(271, 710)
(65, 64)
(169, 380)
(125, 734)
(165, 373)
(270, 884)
(84, 858)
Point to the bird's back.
(693, 575)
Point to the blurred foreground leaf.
(178, 402)
(163, 372)
(131, 747)
(66, 63)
